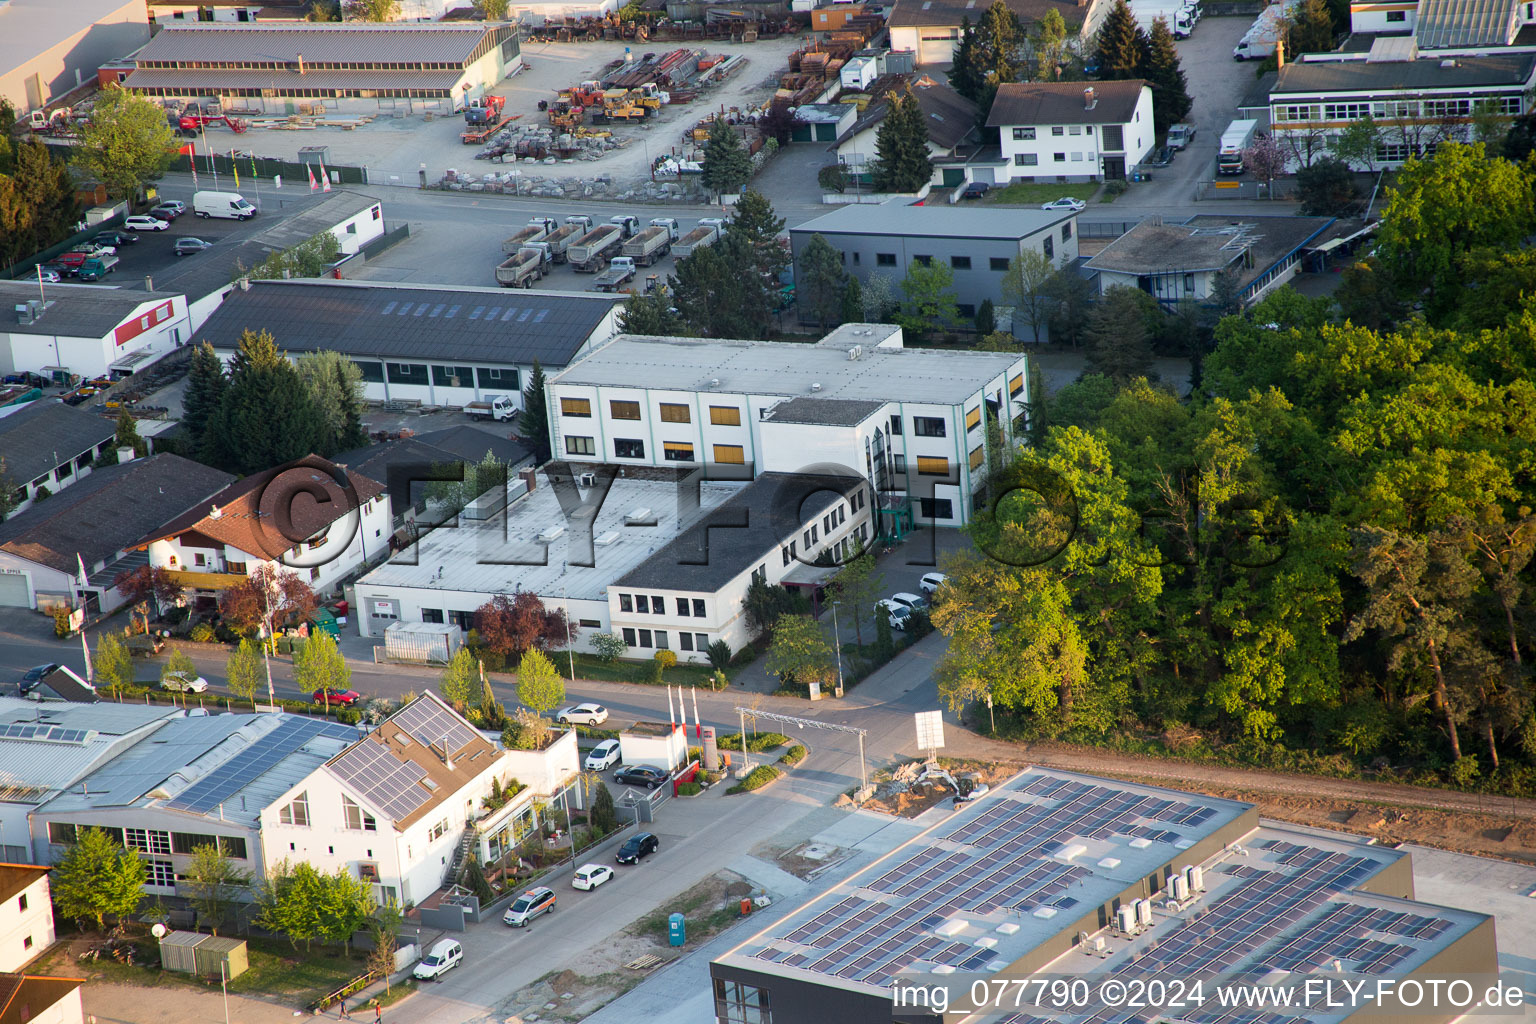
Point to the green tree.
(38, 206)
(1048, 38)
(1118, 346)
(206, 384)
(319, 664)
(1024, 287)
(126, 143)
(348, 906)
(1121, 47)
(610, 647)
(720, 292)
(819, 285)
(968, 72)
(533, 420)
(1310, 30)
(1357, 144)
(833, 178)
(335, 385)
(539, 685)
(491, 10)
(652, 314)
(310, 258)
(852, 308)
(267, 416)
(903, 162)
(1326, 188)
(799, 652)
(371, 10)
(986, 318)
(460, 680)
(1001, 42)
(930, 299)
(177, 664)
(1072, 298)
(292, 902)
(324, 10)
(213, 882)
(384, 928)
(754, 222)
(720, 656)
(244, 670)
(97, 877)
(604, 818)
(726, 166)
(128, 434)
(112, 664)
(1170, 89)
(854, 587)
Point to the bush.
(689, 789)
(348, 716)
(610, 647)
(653, 671)
(757, 778)
(832, 178)
(61, 621)
(756, 744)
(1113, 190)
(793, 756)
(202, 633)
(719, 655)
(666, 659)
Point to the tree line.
(1324, 553)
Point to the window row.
(501, 378)
(288, 65)
(1057, 131)
(153, 841)
(670, 412)
(1398, 110)
(655, 604)
(659, 639)
(671, 451)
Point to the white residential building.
(1068, 131)
(26, 915)
(912, 422)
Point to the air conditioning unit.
(587, 479)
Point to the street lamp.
(837, 641)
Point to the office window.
(737, 1003)
(643, 604)
(899, 462)
(960, 262)
(1048, 247)
(1015, 385)
(1026, 159)
(784, 554)
(160, 873)
(373, 373)
(1058, 130)
(624, 410)
(895, 423)
(1059, 158)
(438, 831)
(976, 457)
(676, 451)
(1075, 130)
(626, 603)
(698, 607)
(407, 373)
(725, 415)
(628, 448)
(928, 426)
(497, 377)
(355, 818)
(575, 407)
(661, 640)
(973, 418)
(732, 454)
(433, 615)
(936, 508)
(589, 623)
(998, 263)
(580, 446)
(1395, 16)
(645, 638)
(932, 465)
(885, 259)
(658, 604)
(453, 376)
(21, 903)
(685, 641)
(629, 637)
(1066, 232)
(1023, 135)
(296, 812)
(682, 607)
(1189, 284)
(671, 412)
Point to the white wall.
(356, 231)
(25, 932)
(69, 1009)
(1081, 146)
(1374, 17)
(101, 36)
(175, 13)
(543, 771)
(669, 751)
(156, 326)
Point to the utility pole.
(837, 640)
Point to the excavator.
(193, 120)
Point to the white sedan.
(931, 582)
(590, 876)
(603, 756)
(184, 682)
(1064, 203)
(142, 223)
(582, 714)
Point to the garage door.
(937, 47)
(14, 591)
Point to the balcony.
(206, 580)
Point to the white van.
(445, 956)
(230, 205)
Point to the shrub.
(757, 778)
(610, 647)
(60, 620)
(756, 744)
(1114, 190)
(654, 670)
(666, 659)
(719, 654)
(793, 756)
(202, 633)
(689, 789)
(348, 716)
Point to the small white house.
(26, 915)
(89, 330)
(1067, 131)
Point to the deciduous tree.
(1026, 287)
(112, 664)
(146, 583)
(126, 143)
(371, 10)
(512, 626)
(854, 587)
(213, 882)
(930, 299)
(1327, 189)
(319, 665)
(267, 599)
(335, 386)
(491, 10)
(98, 877)
(310, 258)
(243, 672)
(539, 685)
(460, 681)
(799, 652)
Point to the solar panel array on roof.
(382, 779)
(262, 755)
(430, 724)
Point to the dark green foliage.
(901, 145)
(988, 54)
(206, 384)
(833, 178)
(128, 434)
(885, 642)
(1122, 47)
(819, 283)
(533, 420)
(726, 165)
(754, 222)
(1118, 335)
(719, 290)
(474, 881)
(267, 416)
(852, 311)
(986, 319)
(719, 655)
(1327, 189)
(603, 817)
(1311, 30)
(968, 73)
(767, 603)
(1170, 89)
(1521, 140)
(37, 199)
(652, 314)
(1072, 298)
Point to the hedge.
(757, 778)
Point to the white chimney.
(215, 512)
(1089, 99)
(124, 455)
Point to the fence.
(16, 270)
(267, 167)
(1104, 228)
(1228, 189)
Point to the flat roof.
(46, 747)
(1326, 76)
(32, 27)
(317, 43)
(503, 554)
(75, 310)
(825, 412)
(1207, 242)
(907, 221)
(884, 371)
(431, 324)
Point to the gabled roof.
(32, 434)
(16, 877)
(924, 13)
(949, 116)
(45, 747)
(244, 515)
(108, 511)
(1050, 103)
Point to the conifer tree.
(820, 282)
(267, 416)
(901, 144)
(1122, 46)
(1170, 89)
(206, 384)
(1002, 44)
(967, 74)
(756, 224)
(533, 421)
(726, 166)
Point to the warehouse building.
(48, 48)
(88, 330)
(421, 343)
(352, 67)
(1070, 874)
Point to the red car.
(346, 698)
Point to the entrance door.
(1114, 168)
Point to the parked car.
(99, 266)
(590, 876)
(51, 273)
(603, 756)
(71, 261)
(346, 698)
(636, 846)
(184, 682)
(116, 238)
(97, 247)
(641, 775)
(529, 906)
(169, 209)
(931, 582)
(1180, 135)
(896, 614)
(975, 190)
(1064, 203)
(143, 222)
(910, 601)
(191, 246)
(445, 956)
(35, 676)
(582, 714)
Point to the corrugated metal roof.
(318, 43)
(196, 80)
(32, 769)
(1446, 23)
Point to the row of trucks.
(1181, 15)
(613, 251)
(1264, 35)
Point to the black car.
(637, 846)
(975, 190)
(641, 775)
(116, 238)
(35, 676)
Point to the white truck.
(653, 243)
(1180, 135)
(1237, 138)
(229, 205)
(1181, 15)
(492, 407)
(521, 270)
(627, 223)
(619, 273)
(589, 253)
(705, 234)
(535, 231)
(1262, 36)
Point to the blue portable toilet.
(677, 930)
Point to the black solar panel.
(250, 764)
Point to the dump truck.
(653, 243)
(521, 270)
(560, 240)
(589, 252)
(619, 272)
(492, 407)
(537, 228)
(704, 235)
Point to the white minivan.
(445, 956)
(229, 205)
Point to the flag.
(311, 170)
(234, 167)
(81, 563)
(325, 179)
(193, 166)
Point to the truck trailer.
(1237, 138)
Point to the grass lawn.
(1027, 193)
(589, 666)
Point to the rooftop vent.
(639, 515)
(954, 926)
(1140, 843)
(815, 387)
(29, 311)
(1110, 863)
(1090, 98)
(714, 382)
(1045, 913)
(215, 513)
(606, 539)
(855, 352)
(1449, 63)
(548, 536)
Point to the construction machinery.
(485, 110)
(194, 120)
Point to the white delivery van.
(230, 205)
(445, 956)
